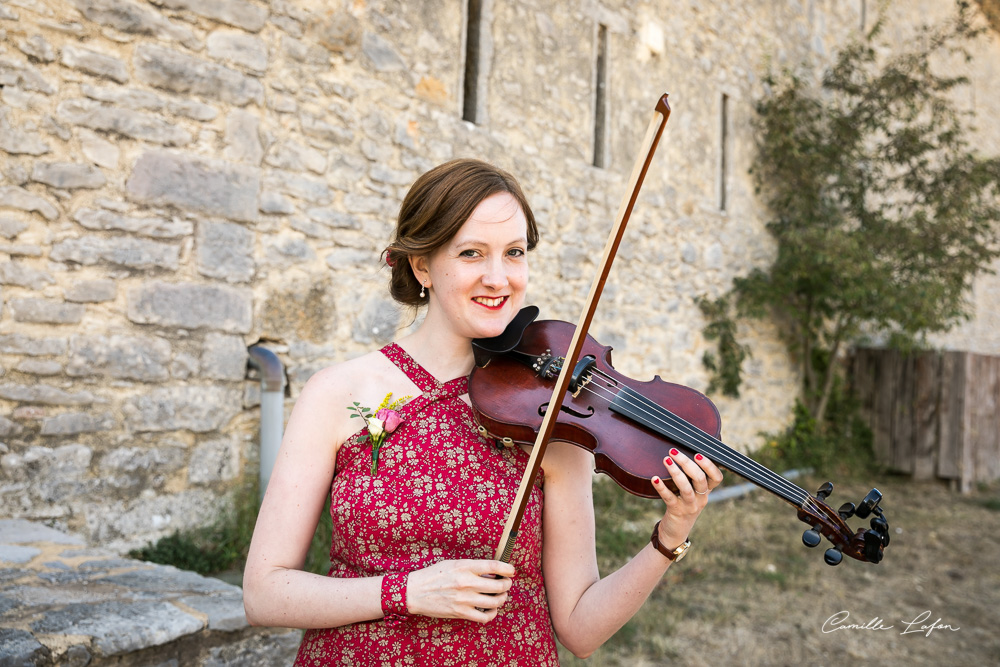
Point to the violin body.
(630, 426)
(507, 388)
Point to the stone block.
(142, 358)
(300, 310)
(224, 357)
(122, 251)
(19, 74)
(238, 48)
(21, 531)
(126, 122)
(12, 196)
(380, 53)
(339, 31)
(44, 311)
(92, 291)
(45, 394)
(301, 186)
(225, 611)
(39, 367)
(67, 175)
(377, 323)
(180, 73)
(140, 468)
(120, 627)
(243, 138)
(36, 47)
(238, 13)
(274, 202)
(288, 251)
(321, 129)
(98, 150)
(21, 648)
(94, 62)
(192, 306)
(23, 344)
(293, 156)
(333, 218)
(55, 474)
(72, 423)
(22, 275)
(8, 427)
(198, 409)
(214, 461)
(10, 228)
(134, 18)
(193, 183)
(162, 228)
(20, 141)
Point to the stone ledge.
(63, 603)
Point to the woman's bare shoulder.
(350, 379)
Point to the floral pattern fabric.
(442, 492)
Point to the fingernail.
(698, 457)
(656, 480)
(670, 461)
(674, 452)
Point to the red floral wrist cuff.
(394, 598)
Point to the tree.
(882, 212)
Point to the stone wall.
(182, 179)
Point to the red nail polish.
(674, 452)
(670, 461)
(656, 480)
(698, 457)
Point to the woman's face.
(478, 280)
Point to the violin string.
(714, 448)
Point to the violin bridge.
(583, 383)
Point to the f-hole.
(568, 410)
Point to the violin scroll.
(865, 545)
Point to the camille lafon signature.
(840, 621)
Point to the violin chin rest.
(485, 349)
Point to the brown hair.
(435, 208)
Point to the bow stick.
(649, 142)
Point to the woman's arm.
(277, 592)
(587, 610)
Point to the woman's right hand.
(473, 590)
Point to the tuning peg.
(873, 546)
(811, 538)
(870, 504)
(846, 510)
(824, 491)
(833, 556)
(881, 526)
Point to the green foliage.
(882, 212)
(220, 546)
(224, 544)
(721, 327)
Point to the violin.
(630, 425)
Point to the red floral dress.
(442, 492)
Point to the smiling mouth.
(494, 302)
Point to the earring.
(422, 292)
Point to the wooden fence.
(933, 414)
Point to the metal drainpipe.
(272, 408)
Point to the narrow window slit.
(601, 98)
(723, 153)
(470, 85)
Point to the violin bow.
(648, 148)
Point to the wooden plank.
(950, 420)
(927, 385)
(883, 407)
(983, 381)
(966, 465)
(902, 418)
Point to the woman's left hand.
(694, 478)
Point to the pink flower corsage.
(385, 421)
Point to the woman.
(415, 526)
